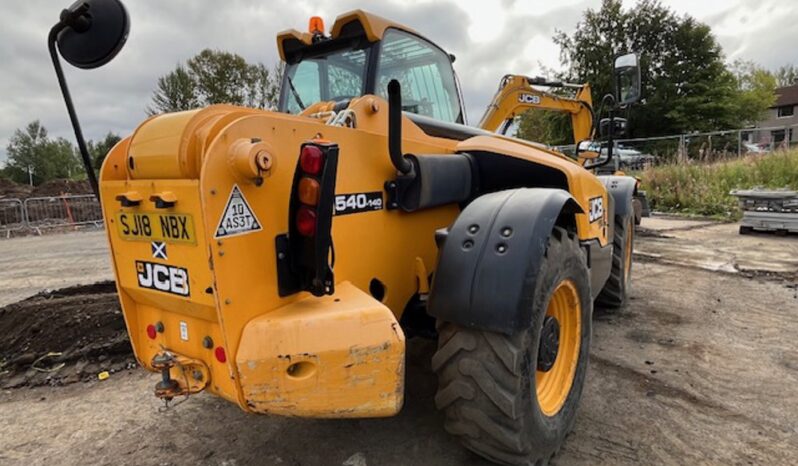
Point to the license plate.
(151, 226)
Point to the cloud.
(489, 37)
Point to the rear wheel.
(616, 290)
(513, 398)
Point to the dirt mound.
(59, 187)
(12, 189)
(63, 336)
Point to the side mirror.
(627, 79)
(94, 32)
(88, 35)
(588, 150)
(616, 126)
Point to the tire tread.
(614, 293)
(480, 373)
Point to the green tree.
(757, 91)
(686, 84)
(174, 92)
(99, 149)
(33, 155)
(215, 77)
(549, 127)
(787, 75)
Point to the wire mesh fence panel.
(712, 147)
(61, 211)
(12, 216)
(631, 155)
(636, 154)
(640, 153)
(764, 140)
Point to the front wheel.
(513, 398)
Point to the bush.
(703, 189)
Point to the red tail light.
(311, 160)
(306, 221)
(221, 356)
(151, 332)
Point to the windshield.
(335, 76)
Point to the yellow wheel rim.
(628, 259)
(554, 385)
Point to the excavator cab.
(352, 62)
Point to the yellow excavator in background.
(517, 95)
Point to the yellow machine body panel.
(583, 188)
(302, 347)
(373, 27)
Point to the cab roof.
(355, 23)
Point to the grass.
(703, 189)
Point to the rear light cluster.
(304, 253)
(311, 162)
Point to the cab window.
(335, 76)
(425, 73)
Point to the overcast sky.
(489, 37)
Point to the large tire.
(616, 290)
(494, 397)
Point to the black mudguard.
(491, 253)
(622, 189)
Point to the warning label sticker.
(238, 218)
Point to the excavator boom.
(516, 95)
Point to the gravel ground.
(700, 368)
(31, 264)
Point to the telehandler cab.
(277, 258)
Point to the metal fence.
(640, 153)
(39, 213)
(12, 216)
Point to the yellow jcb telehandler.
(278, 258)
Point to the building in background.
(782, 119)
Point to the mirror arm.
(76, 19)
(67, 17)
(611, 99)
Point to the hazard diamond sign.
(238, 218)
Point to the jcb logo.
(162, 277)
(596, 211)
(529, 99)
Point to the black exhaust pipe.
(402, 164)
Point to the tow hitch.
(179, 376)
